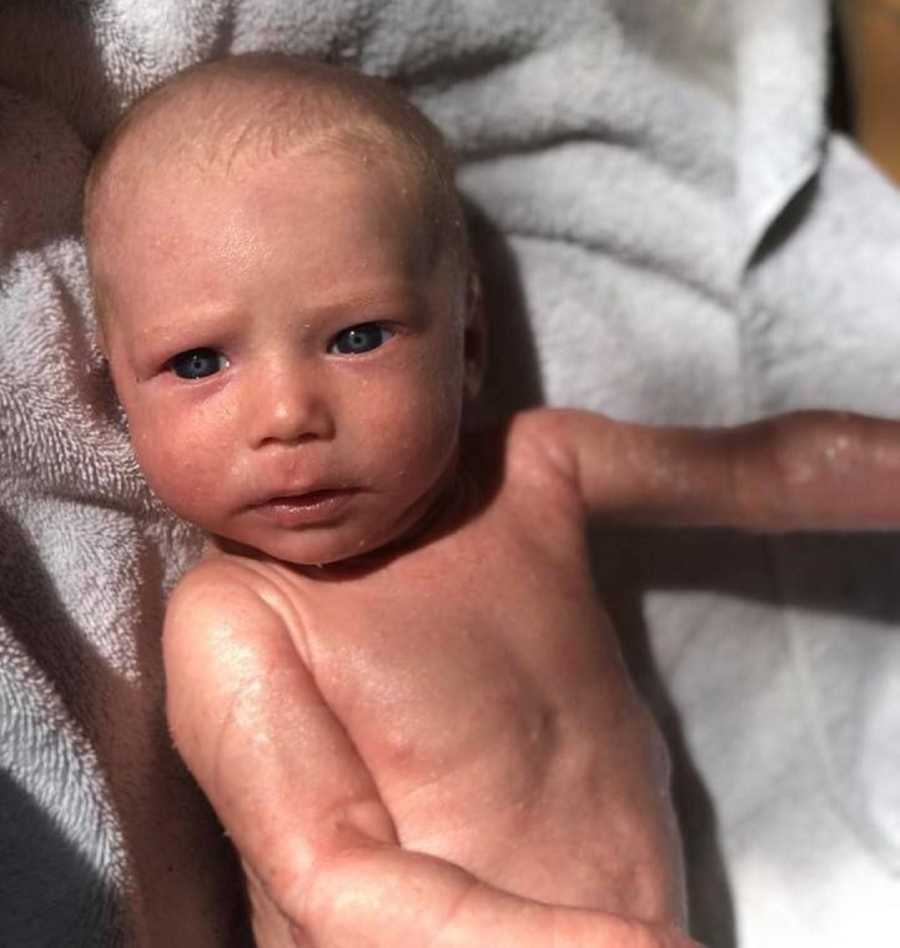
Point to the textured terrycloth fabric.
(669, 233)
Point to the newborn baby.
(390, 673)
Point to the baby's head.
(285, 298)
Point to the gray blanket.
(669, 233)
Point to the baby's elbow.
(341, 875)
(335, 902)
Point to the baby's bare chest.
(480, 682)
(470, 667)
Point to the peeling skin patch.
(672, 473)
(801, 474)
(823, 453)
(830, 459)
(886, 456)
(838, 448)
(675, 479)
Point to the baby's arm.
(807, 470)
(303, 809)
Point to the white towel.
(662, 206)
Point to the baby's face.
(290, 361)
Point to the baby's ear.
(475, 340)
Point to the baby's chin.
(352, 543)
(300, 550)
(323, 547)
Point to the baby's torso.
(479, 679)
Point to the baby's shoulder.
(217, 578)
(226, 623)
(537, 441)
(532, 452)
(224, 594)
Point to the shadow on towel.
(623, 566)
(844, 574)
(32, 611)
(512, 381)
(48, 885)
(837, 575)
(49, 51)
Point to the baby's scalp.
(222, 115)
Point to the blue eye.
(197, 363)
(361, 338)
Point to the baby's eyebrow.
(194, 320)
(393, 297)
(171, 332)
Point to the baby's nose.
(291, 408)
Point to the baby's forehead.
(189, 219)
(216, 121)
(163, 194)
(154, 160)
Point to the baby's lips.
(318, 507)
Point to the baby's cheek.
(179, 466)
(427, 431)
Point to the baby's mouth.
(309, 499)
(310, 508)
